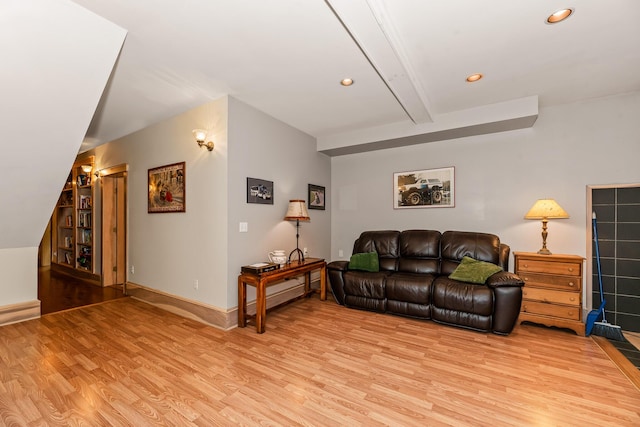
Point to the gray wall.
(498, 177)
(170, 251)
(265, 148)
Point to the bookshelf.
(64, 225)
(73, 219)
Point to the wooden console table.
(262, 281)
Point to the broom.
(602, 328)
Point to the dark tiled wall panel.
(630, 195)
(618, 219)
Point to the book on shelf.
(260, 267)
(85, 202)
(84, 180)
(84, 219)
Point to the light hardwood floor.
(633, 338)
(126, 363)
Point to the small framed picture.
(316, 197)
(167, 188)
(259, 191)
(427, 188)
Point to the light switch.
(244, 227)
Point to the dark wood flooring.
(58, 292)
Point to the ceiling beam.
(369, 26)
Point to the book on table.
(260, 267)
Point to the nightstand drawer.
(548, 295)
(547, 309)
(567, 283)
(550, 267)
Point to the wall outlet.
(133, 270)
(195, 284)
(244, 227)
(305, 251)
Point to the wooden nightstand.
(552, 294)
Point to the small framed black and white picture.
(316, 197)
(259, 191)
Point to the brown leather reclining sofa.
(413, 281)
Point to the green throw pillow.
(473, 271)
(367, 261)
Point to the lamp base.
(544, 251)
(300, 255)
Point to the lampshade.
(297, 210)
(86, 168)
(546, 209)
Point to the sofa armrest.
(335, 272)
(338, 265)
(505, 250)
(504, 278)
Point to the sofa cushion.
(455, 245)
(409, 287)
(365, 284)
(462, 297)
(419, 251)
(473, 271)
(367, 261)
(385, 243)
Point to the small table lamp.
(546, 209)
(297, 211)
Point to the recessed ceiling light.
(559, 16)
(474, 77)
(346, 82)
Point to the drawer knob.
(526, 279)
(570, 313)
(570, 269)
(572, 299)
(526, 265)
(571, 284)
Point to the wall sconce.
(546, 209)
(201, 136)
(86, 168)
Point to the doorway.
(114, 227)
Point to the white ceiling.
(286, 58)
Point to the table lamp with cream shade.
(297, 211)
(546, 209)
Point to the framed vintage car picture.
(427, 188)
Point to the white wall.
(49, 92)
(19, 275)
(265, 148)
(499, 177)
